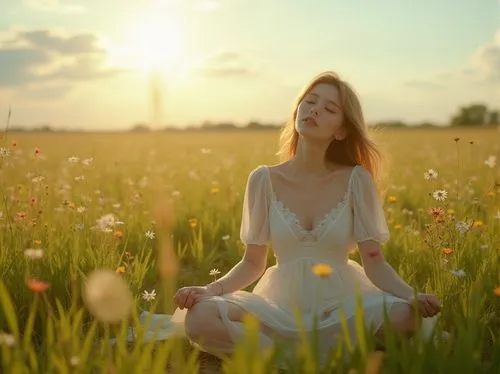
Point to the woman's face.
(319, 114)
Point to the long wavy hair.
(356, 149)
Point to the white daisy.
(149, 296)
(150, 235)
(430, 174)
(214, 272)
(440, 195)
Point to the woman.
(314, 208)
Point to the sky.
(101, 64)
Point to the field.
(54, 187)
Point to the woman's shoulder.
(262, 169)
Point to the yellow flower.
(496, 291)
(118, 234)
(392, 199)
(451, 211)
(37, 242)
(215, 190)
(477, 223)
(322, 270)
(193, 222)
(120, 269)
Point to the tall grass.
(52, 202)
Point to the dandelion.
(477, 223)
(38, 286)
(440, 195)
(33, 253)
(322, 270)
(430, 174)
(150, 235)
(120, 270)
(107, 296)
(106, 221)
(491, 161)
(149, 296)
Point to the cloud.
(57, 6)
(45, 56)
(487, 59)
(482, 69)
(228, 64)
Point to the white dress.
(356, 216)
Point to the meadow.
(57, 190)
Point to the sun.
(153, 43)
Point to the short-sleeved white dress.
(356, 216)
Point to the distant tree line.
(473, 115)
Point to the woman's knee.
(403, 318)
(198, 319)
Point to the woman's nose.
(314, 112)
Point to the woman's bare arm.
(248, 270)
(381, 273)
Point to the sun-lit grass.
(54, 188)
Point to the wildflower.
(440, 195)
(459, 273)
(120, 269)
(214, 272)
(81, 209)
(392, 199)
(496, 291)
(4, 152)
(150, 235)
(477, 223)
(14, 143)
(149, 296)
(436, 213)
(193, 222)
(33, 253)
(73, 160)
(118, 234)
(451, 211)
(447, 251)
(398, 226)
(322, 270)
(463, 226)
(8, 340)
(37, 242)
(37, 151)
(430, 174)
(491, 161)
(106, 221)
(107, 296)
(38, 286)
(225, 237)
(88, 161)
(215, 190)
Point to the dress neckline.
(320, 223)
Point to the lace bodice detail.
(317, 231)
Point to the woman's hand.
(187, 297)
(428, 305)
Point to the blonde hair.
(356, 149)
